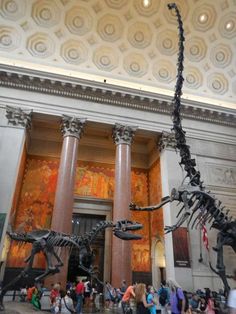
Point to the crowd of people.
(170, 298)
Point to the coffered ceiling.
(125, 43)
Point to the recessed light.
(203, 18)
(146, 3)
(229, 25)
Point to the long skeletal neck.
(89, 237)
(186, 160)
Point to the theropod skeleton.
(47, 241)
(198, 204)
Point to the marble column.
(72, 129)
(121, 250)
(171, 177)
(14, 123)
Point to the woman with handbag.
(66, 303)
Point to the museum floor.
(14, 307)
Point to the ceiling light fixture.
(146, 3)
(229, 25)
(203, 18)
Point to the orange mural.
(155, 195)
(139, 187)
(94, 180)
(35, 206)
(141, 257)
(139, 195)
(34, 210)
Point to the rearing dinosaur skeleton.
(197, 202)
(47, 241)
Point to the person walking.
(163, 297)
(150, 300)
(79, 295)
(109, 295)
(66, 303)
(140, 297)
(87, 293)
(123, 287)
(232, 298)
(54, 296)
(128, 295)
(210, 308)
(177, 299)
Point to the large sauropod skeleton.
(48, 242)
(198, 205)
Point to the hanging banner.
(180, 247)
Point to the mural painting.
(141, 257)
(139, 194)
(94, 180)
(155, 195)
(35, 206)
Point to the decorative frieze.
(219, 175)
(18, 117)
(128, 98)
(123, 134)
(167, 140)
(72, 126)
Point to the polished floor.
(14, 307)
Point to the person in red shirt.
(54, 296)
(30, 291)
(79, 294)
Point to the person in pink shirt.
(209, 302)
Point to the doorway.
(87, 212)
(82, 223)
(158, 262)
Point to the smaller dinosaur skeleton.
(48, 241)
(197, 202)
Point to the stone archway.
(158, 261)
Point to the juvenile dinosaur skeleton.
(48, 241)
(199, 206)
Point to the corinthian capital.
(123, 134)
(18, 117)
(166, 140)
(72, 126)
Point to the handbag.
(73, 312)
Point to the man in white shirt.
(232, 298)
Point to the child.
(150, 300)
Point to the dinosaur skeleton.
(47, 241)
(198, 204)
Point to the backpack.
(163, 297)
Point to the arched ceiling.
(122, 42)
